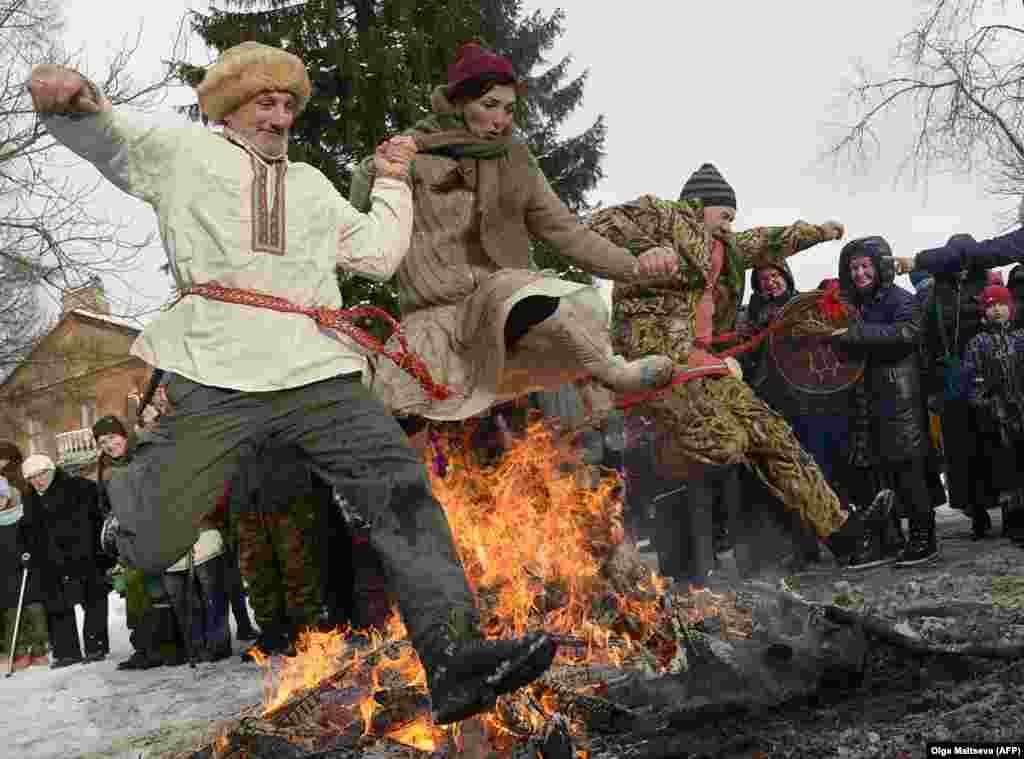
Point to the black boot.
(466, 678)
(142, 660)
(921, 548)
(275, 639)
(874, 521)
(1012, 506)
(895, 540)
(981, 523)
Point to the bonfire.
(541, 551)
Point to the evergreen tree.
(374, 63)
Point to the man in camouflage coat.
(712, 419)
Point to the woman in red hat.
(474, 306)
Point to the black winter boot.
(142, 660)
(1012, 506)
(921, 548)
(274, 640)
(874, 522)
(466, 678)
(981, 523)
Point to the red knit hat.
(473, 60)
(994, 294)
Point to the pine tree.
(374, 64)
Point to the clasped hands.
(393, 157)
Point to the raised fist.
(658, 263)
(903, 265)
(60, 90)
(833, 230)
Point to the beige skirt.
(463, 346)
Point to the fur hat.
(244, 71)
(36, 464)
(709, 186)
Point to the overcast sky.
(751, 87)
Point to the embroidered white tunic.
(227, 215)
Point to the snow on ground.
(94, 710)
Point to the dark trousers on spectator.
(235, 590)
(909, 480)
(209, 607)
(91, 592)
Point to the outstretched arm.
(967, 254)
(134, 158)
(548, 219)
(764, 246)
(373, 240)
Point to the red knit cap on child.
(996, 294)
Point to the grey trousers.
(180, 466)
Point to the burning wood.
(541, 553)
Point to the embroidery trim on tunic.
(268, 224)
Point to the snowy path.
(94, 710)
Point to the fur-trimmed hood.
(875, 247)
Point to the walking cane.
(17, 617)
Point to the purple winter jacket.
(963, 252)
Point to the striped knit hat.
(709, 186)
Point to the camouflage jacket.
(658, 316)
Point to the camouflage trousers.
(718, 421)
(277, 560)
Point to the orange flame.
(537, 548)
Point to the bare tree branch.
(961, 78)
(49, 239)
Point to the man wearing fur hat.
(713, 419)
(234, 210)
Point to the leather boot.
(921, 547)
(582, 334)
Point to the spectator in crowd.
(32, 638)
(994, 373)
(155, 634)
(60, 529)
(277, 511)
(887, 336)
(951, 320)
(820, 422)
(195, 585)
